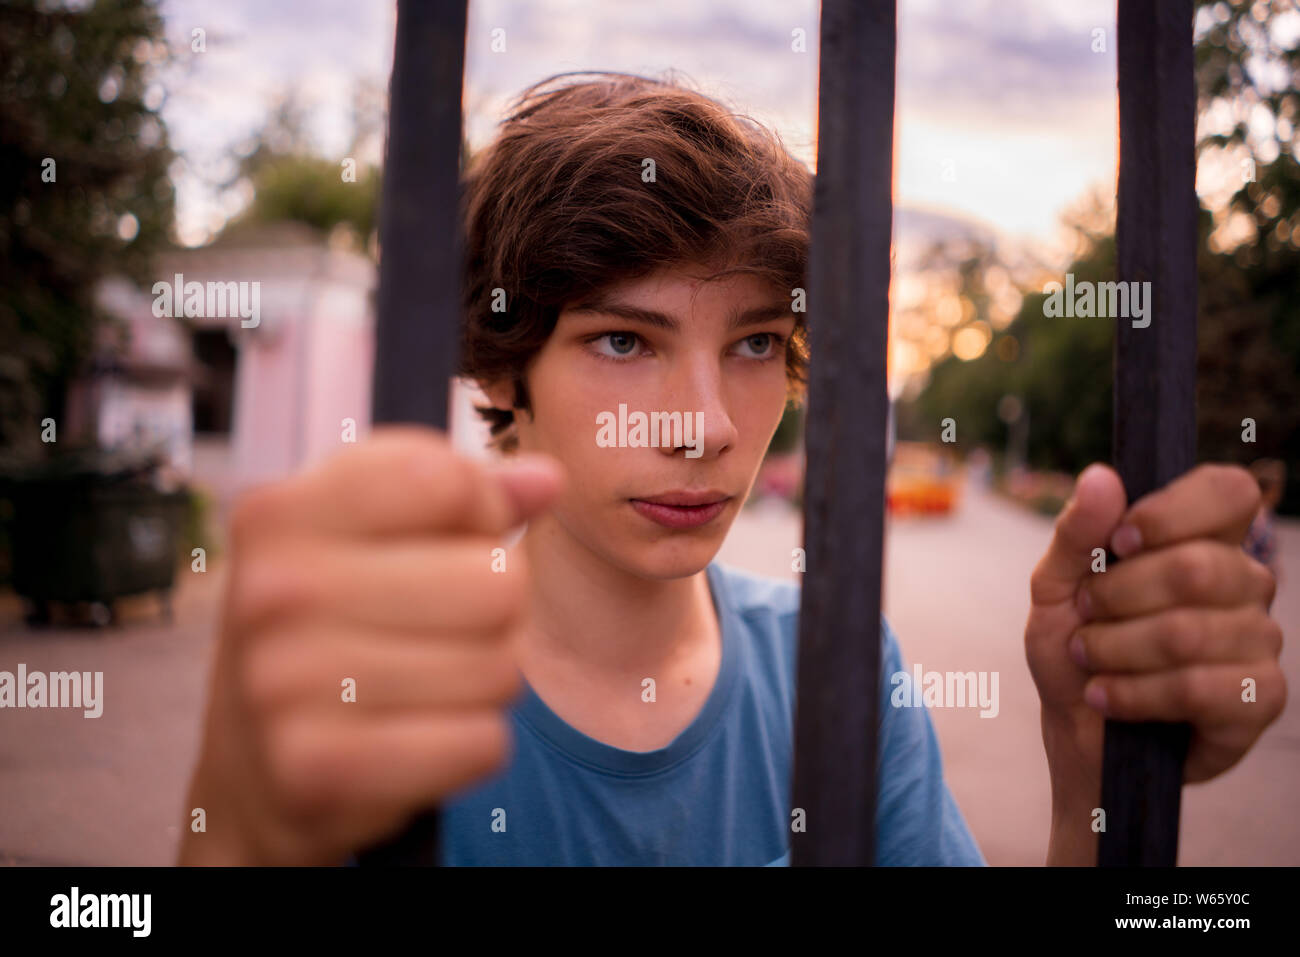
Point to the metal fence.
(849, 272)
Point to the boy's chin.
(680, 557)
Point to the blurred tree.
(1248, 72)
(311, 189)
(1248, 366)
(292, 181)
(83, 187)
(1059, 369)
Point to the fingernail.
(1095, 696)
(521, 476)
(1083, 602)
(1087, 477)
(1126, 540)
(523, 467)
(1077, 652)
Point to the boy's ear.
(500, 392)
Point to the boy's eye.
(622, 342)
(762, 344)
(621, 345)
(625, 345)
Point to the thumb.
(1084, 524)
(531, 482)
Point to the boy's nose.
(707, 427)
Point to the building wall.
(298, 374)
(136, 415)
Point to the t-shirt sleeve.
(917, 820)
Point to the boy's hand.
(1170, 633)
(376, 567)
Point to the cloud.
(1010, 89)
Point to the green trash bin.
(90, 528)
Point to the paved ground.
(111, 790)
(957, 595)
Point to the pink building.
(270, 366)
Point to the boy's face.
(716, 356)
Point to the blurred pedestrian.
(1261, 539)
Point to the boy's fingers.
(390, 673)
(1083, 525)
(1206, 695)
(398, 760)
(401, 480)
(1202, 573)
(416, 586)
(1178, 637)
(1210, 501)
(531, 481)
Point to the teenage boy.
(603, 692)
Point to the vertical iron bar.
(1155, 373)
(419, 269)
(840, 622)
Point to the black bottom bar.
(931, 910)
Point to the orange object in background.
(923, 479)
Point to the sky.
(1006, 108)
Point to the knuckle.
(1185, 637)
(267, 677)
(1118, 699)
(1037, 583)
(1268, 582)
(460, 479)
(1094, 651)
(267, 586)
(409, 453)
(304, 768)
(1099, 590)
(1280, 702)
(1193, 569)
(509, 599)
(412, 459)
(1271, 690)
(1239, 487)
(401, 435)
(502, 678)
(494, 742)
(248, 513)
(1194, 687)
(1274, 638)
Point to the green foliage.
(74, 84)
(788, 430)
(1248, 301)
(311, 190)
(1059, 368)
(197, 530)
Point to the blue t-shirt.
(719, 793)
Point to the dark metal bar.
(840, 622)
(1155, 373)
(419, 269)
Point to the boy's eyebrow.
(610, 306)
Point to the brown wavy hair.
(555, 208)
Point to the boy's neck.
(591, 616)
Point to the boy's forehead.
(688, 280)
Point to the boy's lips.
(685, 497)
(683, 509)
